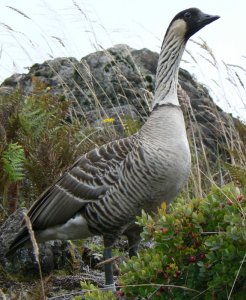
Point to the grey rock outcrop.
(54, 255)
(114, 77)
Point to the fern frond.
(33, 120)
(13, 162)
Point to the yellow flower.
(164, 205)
(163, 209)
(108, 120)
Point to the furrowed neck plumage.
(168, 65)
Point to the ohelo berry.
(164, 230)
(192, 259)
(202, 256)
(229, 202)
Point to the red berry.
(202, 256)
(192, 259)
(229, 202)
(178, 273)
(164, 230)
(193, 235)
(165, 276)
(120, 294)
(239, 197)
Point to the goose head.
(188, 22)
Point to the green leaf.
(13, 162)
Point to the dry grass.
(35, 251)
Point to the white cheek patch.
(178, 28)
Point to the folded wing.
(87, 180)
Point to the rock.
(6, 90)
(109, 77)
(8, 230)
(117, 79)
(54, 255)
(210, 126)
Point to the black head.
(191, 20)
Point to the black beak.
(206, 19)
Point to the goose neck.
(167, 70)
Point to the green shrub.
(94, 293)
(198, 250)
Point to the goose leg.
(133, 244)
(133, 248)
(133, 235)
(108, 269)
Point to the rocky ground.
(57, 287)
(64, 265)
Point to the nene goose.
(105, 189)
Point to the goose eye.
(187, 15)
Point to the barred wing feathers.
(86, 181)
